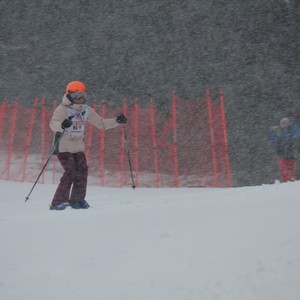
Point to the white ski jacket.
(73, 138)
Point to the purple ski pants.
(72, 186)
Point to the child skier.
(68, 122)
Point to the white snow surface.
(152, 244)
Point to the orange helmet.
(75, 86)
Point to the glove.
(121, 119)
(66, 124)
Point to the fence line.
(188, 147)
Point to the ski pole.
(44, 167)
(128, 155)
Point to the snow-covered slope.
(162, 244)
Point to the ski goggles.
(78, 95)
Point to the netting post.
(212, 138)
(2, 114)
(54, 158)
(11, 138)
(154, 141)
(224, 130)
(175, 152)
(43, 135)
(102, 146)
(28, 139)
(136, 141)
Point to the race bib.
(78, 121)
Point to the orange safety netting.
(186, 148)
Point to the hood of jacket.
(67, 102)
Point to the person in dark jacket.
(283, 138)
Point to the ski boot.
(79, 204)
(59, 206)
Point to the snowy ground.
(160, 244)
